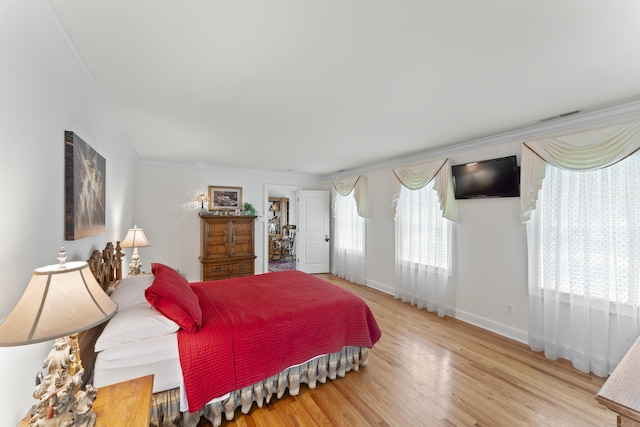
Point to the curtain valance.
(417, 176)
(589, 150)
(358, 185)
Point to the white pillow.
(130, 291)
(139, 322)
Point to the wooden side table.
(124, 404)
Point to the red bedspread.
(256, 326)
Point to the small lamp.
(135, 239)
(202, 198)
(60, 300)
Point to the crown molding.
(43, 21)
(561, 126)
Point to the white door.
(312, 244)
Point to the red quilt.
(256, 326)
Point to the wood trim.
(106, 266)
(621, 392)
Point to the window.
(423, 234)
(349, 261)
(587, 232)
(350, 227)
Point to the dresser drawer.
(244, 268)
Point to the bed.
(214, 347)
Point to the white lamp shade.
(59, 301)
(135, 238)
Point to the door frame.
(275, 190)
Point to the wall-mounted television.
(488, 178)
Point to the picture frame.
(84, 188)
(225, 198)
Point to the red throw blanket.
(256, 326)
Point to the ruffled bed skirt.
(165, 406)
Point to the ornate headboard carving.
(106, 266)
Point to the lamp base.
(135, 266)
(87, 420)
(62, 403)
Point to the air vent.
(561, 116)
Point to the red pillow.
(171, 295)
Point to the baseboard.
(493, 326)
(481, 322)
(380, 287)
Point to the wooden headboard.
(106, 266)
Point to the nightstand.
(124, 404)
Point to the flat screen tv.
(488, 178)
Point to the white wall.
(167, 211)
(490, 269)
(40, 100)
(490, 242)
(491, 256)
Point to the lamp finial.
(62, 257)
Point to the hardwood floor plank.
(432, 371)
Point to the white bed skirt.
(165, 411)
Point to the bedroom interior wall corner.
(39, 102)
(163, 197)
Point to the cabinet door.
(216, 239)
(241, 237)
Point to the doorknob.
(326, 238)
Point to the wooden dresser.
(227, 246)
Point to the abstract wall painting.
(84, 188)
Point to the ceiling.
(317, 87)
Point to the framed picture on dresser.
(223, 198)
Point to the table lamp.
(135, 239)
(59, 301)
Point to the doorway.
(280, 228)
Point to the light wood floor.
(431, 371)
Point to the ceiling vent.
(561, 116)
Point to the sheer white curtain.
(424, 236)
(349, 260)
(350, 208)
(584, 248)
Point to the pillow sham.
(171, 295)
(139, 322)
(130, 291)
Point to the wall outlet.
(509, 309)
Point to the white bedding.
(137, 341)
(158, 356)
